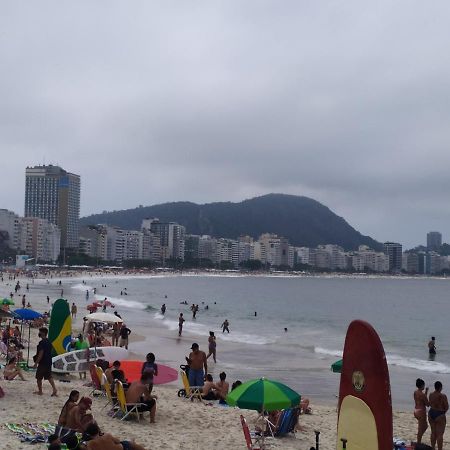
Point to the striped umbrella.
(263, 395)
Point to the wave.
(418, 364)
(82, 287)
(326, 351)
(399, 361)
(151, 308)
(121, 302)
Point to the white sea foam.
(419, 364)
(400, 361)
(82, 287)
(121, 302)
(329, 352)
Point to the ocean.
(316, 311)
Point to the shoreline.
(202, 423)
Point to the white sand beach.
(180, 423)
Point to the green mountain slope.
(304, 221)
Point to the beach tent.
(27, 314)
(336, 367)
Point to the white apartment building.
(40, 239)
(10, 223)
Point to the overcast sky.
(209, 101)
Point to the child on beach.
(150, 368)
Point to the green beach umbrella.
(7, 301)
(263, 395)
(336, 367)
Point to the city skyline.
(341, 103)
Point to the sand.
(180, 424)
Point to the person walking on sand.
(420, 408)
(225, 326)
(212, 346)
(43, 363)
(124, 333)
(436, 415)
(180, 324)
(74, 311)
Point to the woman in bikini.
(436, 415)
(420, 408)
(74, 396)
(212, 346)
(12, 370)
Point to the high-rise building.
(10, 225)
(171, 237)
(393, 250)
(434, 240)
(54, 194)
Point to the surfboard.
(60, 328)
(79, 360)
(132, 370)
(365, 406)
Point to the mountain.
(304, 221)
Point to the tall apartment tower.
(54, 194)
(394, 252)
(434, 240)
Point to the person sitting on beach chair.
(105, 441)
(139, 392)
(12, 370)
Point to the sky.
(156, 101)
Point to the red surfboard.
(365, 406)
(132, 370)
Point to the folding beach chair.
(112, 400)
(253, 442)
(192, 392)
(127, 408)
(288, 422)
(96, 383)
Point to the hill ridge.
(303, 220)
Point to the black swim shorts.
(147, 405)
(126, 445)
(43, 372)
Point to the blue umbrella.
(27, 314)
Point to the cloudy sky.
(205, 101)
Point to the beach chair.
(96, 383)
(252, 441)
(192, 392)
(126, 408)
(288, 422)
(112, 400)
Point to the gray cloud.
(205, 101)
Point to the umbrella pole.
(29, 337)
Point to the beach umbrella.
(336, 367)
(263, 395)
(7, 301)
(27, 314)
(103, 317)
(7, 314)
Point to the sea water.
(315, 310)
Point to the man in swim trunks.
(43, 362)
(197, 362)
(436, 415)
(106, 441)
(180, 324)
(139, 392)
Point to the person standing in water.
(180, 324)
(163, 309)
(420, 408)
(436, 415)
(225, 326)
(212, 346)
(432, 347)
